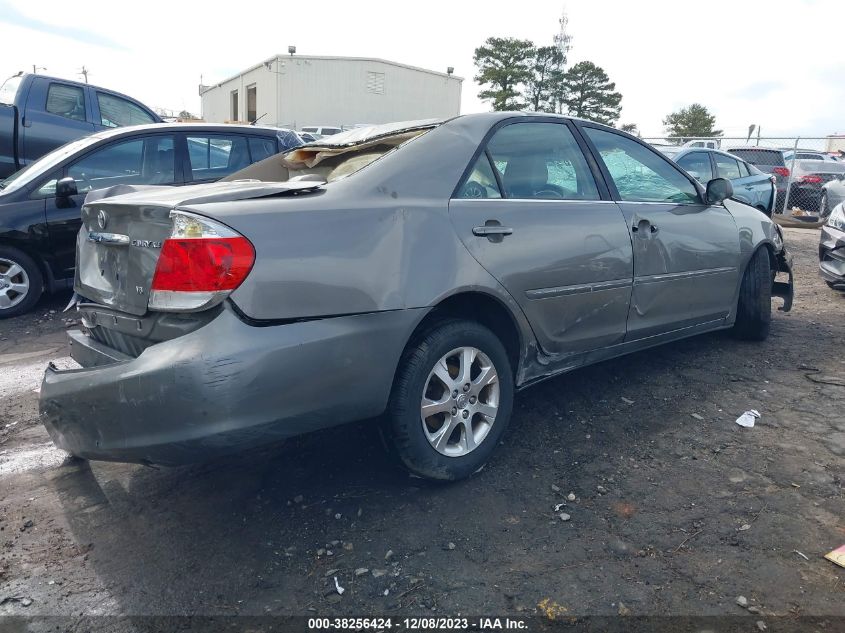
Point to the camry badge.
(102, 219)
(146, 244)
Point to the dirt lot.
(677, 509)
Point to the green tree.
(503, 63)
(692, 122)
(546, 69)
(631, 128)
(587, 92)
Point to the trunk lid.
(123, 228)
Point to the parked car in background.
(832, 249)
(750, 185)
(418, 272)
(709, 143)
(319, 131)
(807, 154)
(808, 179)
(769, 161)
(40, 204)
(833, 194)
(307, 137)
(40, 113)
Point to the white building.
(294, 91)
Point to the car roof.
(755, 148)
(709, 150)
(183, 127)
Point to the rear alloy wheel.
(754, 308)
(21, 283)
(451, 401)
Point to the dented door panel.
(686, 266)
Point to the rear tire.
(21, 282)
(451, 400)
(754, 308)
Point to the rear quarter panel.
(379, 240)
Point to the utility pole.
(84, 73)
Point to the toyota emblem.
(102, 219)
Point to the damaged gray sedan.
(416, 273)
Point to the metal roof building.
(295, 91)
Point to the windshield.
(9, 89)
(44, 164)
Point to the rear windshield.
(759, 156)
(9, 89)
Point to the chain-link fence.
(798, 166)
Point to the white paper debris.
(337, 586)
(747, 419)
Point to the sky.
(733, 56)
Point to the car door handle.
(642, 224)
(491, 229)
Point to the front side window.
(66, 101)
(214, 156)
(640, 174)
(117, 112)
(141, 161)
(540, 161)
(697, 164)
(727, 167)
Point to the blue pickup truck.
(40, 113)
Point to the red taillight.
(811, 179)
(199, 265)
(203, 265)
(781, 171)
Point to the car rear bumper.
(832, 255)
(225, 387)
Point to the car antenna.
(258, 119)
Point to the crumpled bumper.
(832, 256)
(224, 387)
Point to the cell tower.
(563, 40)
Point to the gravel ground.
(673, 508)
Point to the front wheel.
(21, 283)
(451, 400)
(754, 308)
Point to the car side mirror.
(718, 190)
(66, 187)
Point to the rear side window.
(117, 112)
(540, 161)
(214, 156)
(697, 164)
(759, 156)
(727, 167)
(261, 148)
(640, 174)
(481, 181)
(66, 101)
(743, 169)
